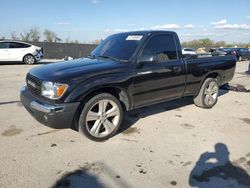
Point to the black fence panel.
(61, 50)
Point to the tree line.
(208, 43)
(33, 34)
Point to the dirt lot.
(174, 144)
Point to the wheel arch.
(214, 74)
(117, 92)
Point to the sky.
(87, 20)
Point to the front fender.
(120, 81)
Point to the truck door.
(163, 76)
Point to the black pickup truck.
(126, 71)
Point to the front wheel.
(101, 117)
(208, 94)
(29, 59)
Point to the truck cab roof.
(144, 32)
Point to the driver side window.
(161, 47)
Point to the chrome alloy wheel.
(211, 93)
(103, 118)
(29, 59)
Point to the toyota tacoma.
(126, 71)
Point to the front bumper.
(56, 116)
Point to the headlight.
(53, 90)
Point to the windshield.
(119, 46)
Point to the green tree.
(199, 43)
(49, 36)
(25, 36)
(220, 44)
(32, 34)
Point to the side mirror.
(146, 59)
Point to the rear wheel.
(100, 117)
(208, 94)
(29, 59)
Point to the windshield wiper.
(110, 57)
(91, 56)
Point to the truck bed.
(222, 67)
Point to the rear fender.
(214, 74)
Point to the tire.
(29, 59)
(208, 94)
(97, 120)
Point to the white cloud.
(233, 26)
(123, 30)
(110, 31)
(206, 34)
(247, 17)
(189, 26)
(63, 23)
(221, 22)
(166, 26)
(140, 29)
(226, 26)
(197, 34)
(95, 1)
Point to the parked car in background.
(189, 53)
(240, 53)
(217, 52)
(201, 53)
(228, 51)
(16, 51)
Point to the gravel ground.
(174, 144)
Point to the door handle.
(177, 69)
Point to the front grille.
(34, 84)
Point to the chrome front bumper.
(57, 116)
(46, 108)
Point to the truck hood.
(76, 70)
